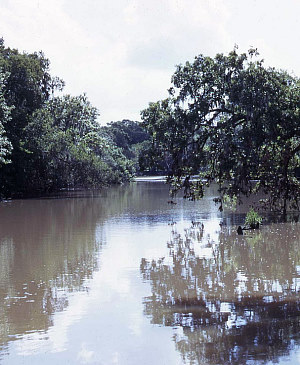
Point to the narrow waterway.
(121, 276)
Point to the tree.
(27, 87)
(234, 121)
(67, 148)
(5, 110)
(130, 137)
(52, 142)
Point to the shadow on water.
(230, 299)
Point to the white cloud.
(123, 52)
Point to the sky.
(122, 53)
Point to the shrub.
(253, 219)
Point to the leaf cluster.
(231, 120)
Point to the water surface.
(119, 276)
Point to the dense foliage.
(68, 148)
(234, 121)
(131, 138)
(5, 145)
(49, 142)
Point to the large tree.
(27, 87)
(68, 148)
(233, 120)
(51, 142)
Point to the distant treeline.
(50, 142)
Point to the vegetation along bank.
(229, 119)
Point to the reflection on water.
(48, 248)
(232, 298)
(107, 277)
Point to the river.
(121, 276)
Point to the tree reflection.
(231, 300)
(48, 248)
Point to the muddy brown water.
(119, 276)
